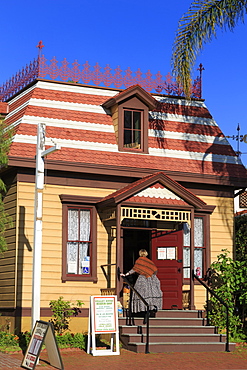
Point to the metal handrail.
(146, 304)
(194, 276)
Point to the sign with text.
(104, 313)
(103, 318)
(43, 333)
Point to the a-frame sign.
(43, 333)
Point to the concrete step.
(174, 321)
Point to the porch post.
(192, 300)
(119, 255)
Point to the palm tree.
(197, 27)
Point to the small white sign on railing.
(103, 319)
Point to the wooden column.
(192, 294)
(119, 249)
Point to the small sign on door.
(166, 253)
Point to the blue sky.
(128, 33)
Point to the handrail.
(146, 304)
(104, 272)
(221, 301)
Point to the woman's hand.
(123, 275)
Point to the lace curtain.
(198, 244)
(78, 259)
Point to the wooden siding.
(221, 236)
(52, 287)
(8, 259)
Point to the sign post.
(103, 319)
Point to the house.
(135, 170)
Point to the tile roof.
(182, 135)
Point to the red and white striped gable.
(182, 135)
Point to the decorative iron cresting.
(85, 74)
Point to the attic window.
(132, 130)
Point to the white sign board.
(103, 318)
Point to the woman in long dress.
(147, 284)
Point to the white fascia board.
(77, 89)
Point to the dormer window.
(132, 130)
(129, 110)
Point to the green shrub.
(62, 313)
(8, 340)
(71, 340)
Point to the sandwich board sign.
(43, 333)
(103, 319)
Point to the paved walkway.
(79, 360)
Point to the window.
(79, 242)
(132, 129)
(199, 248)
(243, 200)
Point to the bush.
(71, 340)
(8, 340)
(62, 313)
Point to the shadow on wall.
(23, 243)
(213, 154)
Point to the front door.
(167, 254)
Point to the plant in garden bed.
(62, 313)
(228, 280)
(9, 342)
(70, 340)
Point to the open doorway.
(133, 241)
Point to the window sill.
(79, 278)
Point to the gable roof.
(135, 90)
(186, 197)
(183, 139)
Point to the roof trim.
(135, 90)
(128, 191)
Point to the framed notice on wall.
(103, 318)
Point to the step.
(181, 313)
(166, 329)
(172, 338)
(179, 347)
(173, 321)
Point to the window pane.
(84, 258)
(186, 230)
(127, 119)
(84, 225)
(72, 257)
(186, 261)
(73, 228)
(198, 240)
(137, 120)
(137, 137)
(127, 138)
(198, 262)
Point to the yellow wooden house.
(136, 169)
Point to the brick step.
(126, 329)
(179, 347)
(172, 338)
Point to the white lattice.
(154, 214)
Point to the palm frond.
(197, 27)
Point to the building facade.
(135, 170)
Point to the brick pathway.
(79, 360)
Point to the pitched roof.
(182, 138)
